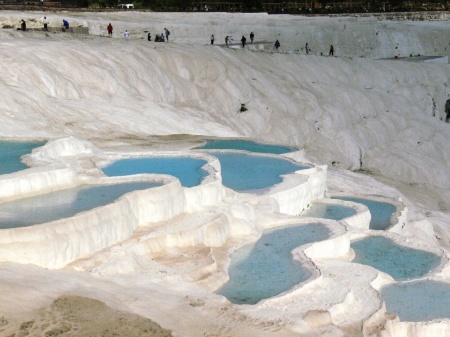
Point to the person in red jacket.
(109, 28)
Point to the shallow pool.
(381, 212)
(329, 211)
(418, 301)
(188, 170)
(10, 153)
(63, 204)
(245, 145)
(266, 268)
(245, 172)
(398, 261)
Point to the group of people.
(163, 37)
(158, 38)
(331, 52)
(229, 39)
(23, 24)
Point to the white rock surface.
(98, 99)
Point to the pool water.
(188, 170)
(266, 268)
(418, 301)
(63, 204)
(246, 145)
(329, 211)
(398, 261)
(244, 172)
(381, 212)
(10, 153)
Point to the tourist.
(23, 25)
(243, 40)
(277, 44)
(65, 24)
(149, 37)
(252, 36)
(447, 111)
(45, 22)
(167, 33)
(226, 40)
(109, 29)
(331, 51)
(126, 34)
(212, 39)
(307, 48)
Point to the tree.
(252, 4)
(112, 3)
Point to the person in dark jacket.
(277, 44)
(167, 33)
(331, 51)
(243, 41)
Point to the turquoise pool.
(266, 268)
(418, 301)
(398, 261)
(63, 204)
(245, 172)
(10, 153)
(381, 212)
(188, 170)
(329, 211)
(245, 145)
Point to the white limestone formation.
(370, 125)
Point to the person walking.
(243, 41)
(277, 44)
(167, 33)
(212, 39)
(252, 36)
(126, 34)
(307, 48)
(45, 22)
(109, 29)
(226, 40)
(331, 51)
